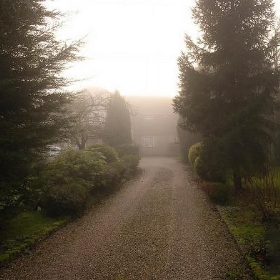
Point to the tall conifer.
(117, 130)
(32, 102)
(228, 83)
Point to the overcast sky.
(131, 45)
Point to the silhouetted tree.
(32, 103)
(228, 83)
(117, 130)
(88, 112)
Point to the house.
(154, 126)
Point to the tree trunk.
(237, 182)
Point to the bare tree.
(88, 112)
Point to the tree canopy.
(32, 102)
(228, 83)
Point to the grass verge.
(23, 231)
(254, 238)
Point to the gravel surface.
(160, 226)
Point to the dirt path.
(160, 226)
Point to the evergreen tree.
(32, 102)
(228, 83)
(117, 130)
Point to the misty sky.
(131, 45)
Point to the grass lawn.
(259, 241)
(253, 218)
(25, 230)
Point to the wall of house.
(157, 145)
(154, 126)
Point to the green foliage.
(67, 183)
(115, 174)
(87, 166)
(131, 162)
(252, 238)
(23, 231)
(228, 83)
(187, 139)
(204, 165)
(264, 192)
(32, 102)
(207, 165)
(259, 242)
(220, 193)
(70, 178)
(201, 169)
(117, 130)
(122, 170)
(130, 157)
(128, 149)
(194, 152)
(66, 199)
(107, 151)
(273, 248)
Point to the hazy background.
(131, 45)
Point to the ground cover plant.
(253, 217)
(24, 230)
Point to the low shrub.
(70, 178)
(194, 152)
(130, 157)
(220, 193)
(201, 169)
(107, 151)
(65, 184)
(209, 188)
(128, 149)
(208, 171)
(264, 193)
(88, 166)
(131, 163)
(115, 173)
(66, 199)
(273, 248)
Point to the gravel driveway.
(160, 226)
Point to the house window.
(148, 141)
(148, 117)
(173, 139)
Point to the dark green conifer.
(32, 102)
(117, 130)
(228, 83)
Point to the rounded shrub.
(208, 172)
(218, 192)
(128, 149)
(70, 178)
(115, 173)
(194, 152)
(200, 168)
(131, 161)
(72, 164)
(107, 151)
(221, 194)
(66, 199)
